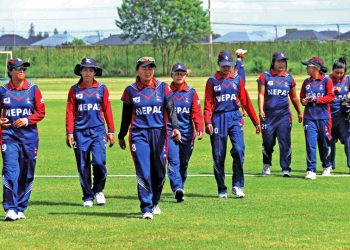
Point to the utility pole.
(276, 31)
(338, 31)
(210, 34)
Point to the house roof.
(118, 40)
(330, 33)
(91, 39)
(345, 36)
(13, 40)
(300, 35)
(253, 36)
(55, 40)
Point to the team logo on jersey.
(270, 83)
(217, 88)
(97, 96)
(307, 86)
(7, 100)
(187, 100)
(136, 99)
(321, 87)
(28, 100)
(79, 96)
(158, 98)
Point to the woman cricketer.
(190, 122)
(22, 107)
(147, 105)
(274, 87)
(88, 107)
(340, 109)
(224, 93)
(316, 94)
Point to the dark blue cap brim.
(144, 64)
(225, 63)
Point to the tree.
(31, 31)
(55, 31)
(166, 24)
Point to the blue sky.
(83, 17)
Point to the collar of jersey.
(219, 76)
(82, 85)
(321, 77)
(335, 80)
(278, 74)
(141, 86)
(24, 86)
(184, 87)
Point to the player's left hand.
(300, 118)
(4, 122)
(257, 129)
(20, 123)
(122, 144)
(111, 140)
(200, 135)
(176, 135)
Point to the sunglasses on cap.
(19, 68)
(145, 59)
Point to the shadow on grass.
(126, 215)
(53, 203)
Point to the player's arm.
(196, 115)
(108, 115)
(261, 95)
(70, 118)
(170, 109)
(294, 99)
(329, 97)
(208, 107)
(248, 106)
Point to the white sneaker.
(88, 203)
(238, 192)
(156, 210)
(327, 171)
(266, 170)
(222, 195)
(11, 215)
(100, 198)
(286, 173)
(310, 175)
(147, 215)
(21, 216)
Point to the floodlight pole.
(210, 34)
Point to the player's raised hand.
(209, 129)
(200, 135)
(111, 140)
(4, 122)
(122, 144)
(70, 140)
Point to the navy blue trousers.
(228, 125)
(280, 128)
(341, 132)
(18, 174)
(91, 142)
(148, 149)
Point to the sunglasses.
(20, 68)
(178, 73)
(145, 59)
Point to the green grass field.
(277, 212)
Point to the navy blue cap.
(279, 56)
(225, 58)
(16, 62)
(145, 61)
(87, 62)
(179, 67)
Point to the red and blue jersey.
(88, 107)
(188, 111)
(226, 94)
(240, 67)
(322, 90)
(339, 97)
(24, 102)
(148, 103)
(277, 89)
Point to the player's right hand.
(209, 129)
(70, 140)
(4, 122)
(257, 129)
(262, 115)
(122, 144)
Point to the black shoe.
(179, 195)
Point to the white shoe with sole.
(222, 195)
(238, 192)
(100, 198)
(266, 169)
(88, 203)
(286, 173)
(156, 210)
(327, 171)
(147, 215)
(310, 175)
(21, 216)
(11, 215)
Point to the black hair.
(323, 69)
(339, 64)
(274, 60)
